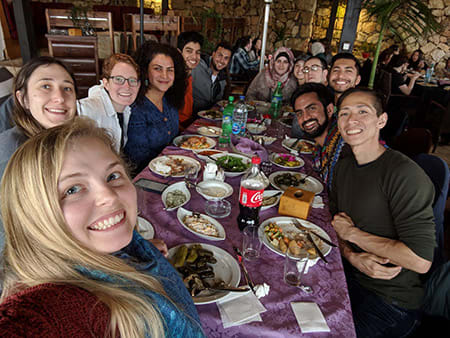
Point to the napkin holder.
(296, 202)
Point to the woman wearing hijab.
(279, 70)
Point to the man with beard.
(344, 73)
(313, 104)
(210, 77)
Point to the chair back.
(384, 83)
(438, 172)
(98, 21)
(413, 141)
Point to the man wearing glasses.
(316, 70)
(109, 103)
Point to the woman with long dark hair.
(154, 116)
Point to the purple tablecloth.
(327, 280)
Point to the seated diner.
(74, 264)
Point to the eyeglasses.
(313, 68)
(120, 80)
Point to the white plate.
(210, 131)
(180, 139)
(145, 228)
(268, 193)
(286, 223)
(245, 159)
(256, 128)
(214, 185)
(226, 269)
(267, 139)
(287, 143)
(182, 213)
(311, 183)
(274, 156)
(162, 160)
(181, 186)
(206, 114)
(206, 158)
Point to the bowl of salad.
(232, 164)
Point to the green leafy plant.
(208, 45)
(404, 18)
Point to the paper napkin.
(318, 203)
(309, 317)
(240, 308)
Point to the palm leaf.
(403, 18)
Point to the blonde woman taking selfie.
(74, 265)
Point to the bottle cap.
(256, 160)
(242, 97)
(230, 98)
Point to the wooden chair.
(434, 121)
(409, 103)
(60, 18)
(152, 23)
(413, 141)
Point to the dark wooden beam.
(24, 24)
(350, 25)
(330, 29)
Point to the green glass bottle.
(227, 117)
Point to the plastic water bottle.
(240, 116)
(276, 102)
(227, 116)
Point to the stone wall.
(435, 46)
(290, 22)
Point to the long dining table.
(327, 280)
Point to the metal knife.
(246, 275)
(299, 227)
(308, 235)
(293, 145)
(228, 288)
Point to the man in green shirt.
(382, 206)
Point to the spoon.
(305, 288)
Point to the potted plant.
(404, 18)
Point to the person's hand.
(160, 245)
(414, 76)
(343, 225)
(372, 266)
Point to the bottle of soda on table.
(275, 105)
(240, 116)
(227, 116)
(250, 196)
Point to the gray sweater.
(206, 92)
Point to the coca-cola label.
(251, 198)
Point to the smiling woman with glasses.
(109, 103)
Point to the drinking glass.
(191, 173)
(294, 267)
(251, 244)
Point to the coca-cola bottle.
(251, 195)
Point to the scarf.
(326, 157)
(272, 78)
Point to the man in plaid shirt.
(240, 63)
